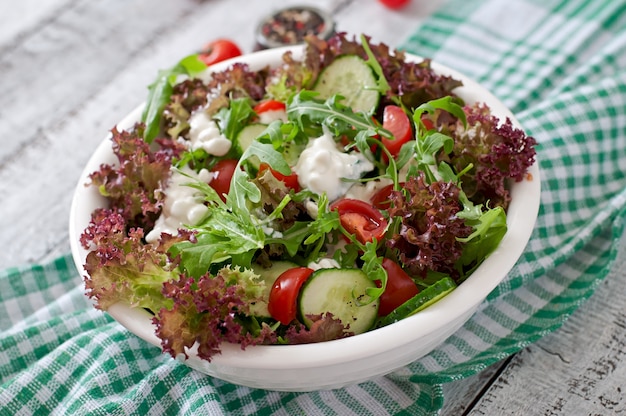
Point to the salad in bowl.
(329, 193)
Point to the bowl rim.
(521, 217)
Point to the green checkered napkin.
(559, 65)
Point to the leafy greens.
(446, 213)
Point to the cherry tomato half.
(222, 174)
(396, 121)
(400, 288)
(290, 181)
(283, 299)
(269, 105)
(395, 4)
(218, 50)
(428, 123)
(381, 199)
(361, 219)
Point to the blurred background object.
(290, 25)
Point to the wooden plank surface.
(578, 370)
(74, 68)
(70, 69)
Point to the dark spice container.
(289, 26)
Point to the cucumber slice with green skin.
(269, 275)
(352, 78)
(291, 152)
(341, 292)
(422, 300)
(246, 136)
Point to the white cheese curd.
(322, 166)
(311, 208)
(204, 134)
(323, 263)
(365, 191)
(267, 117)
(182, 205)
(272, 233)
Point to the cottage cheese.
(322, 167)
(183, 205)
(205, 134)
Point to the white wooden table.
(70, 69)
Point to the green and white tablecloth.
(560, 65)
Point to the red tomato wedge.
(400, 288)
(283, 299)
(361, 219)
(290, 181)
(397, 122)
(428, 123)
(218, 50)
(269, 105)
(381, 199)
(222, 174)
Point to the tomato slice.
(428, 123)
(400, 288)
(283, 299)
(290, 181)
(269, 105)
(361, 219)
(222, 174)
(397, 122)
(381, 199)
(218, 50)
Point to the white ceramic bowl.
(338, 363)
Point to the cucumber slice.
(338, 291)
(270, 275)
(351, 77)
(420, 301)
(247, 135)
(291, 152)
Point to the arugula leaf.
(160, 91)
(373, 267)
(224, 235)
(275, 133)
(286, 138)
(267, 154)
(325, 222)
(489, 229)
(232, 119)
(347, 256)
(429, 142)
(382, 85)
(311, 232)
(293, 237)
(242, 189)
(305, 110)
(445, 103)
(471, 212)
(210, 195)
(231, 232)
(365, 141)
(228, 232)
(426, 150)
(407, 151)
